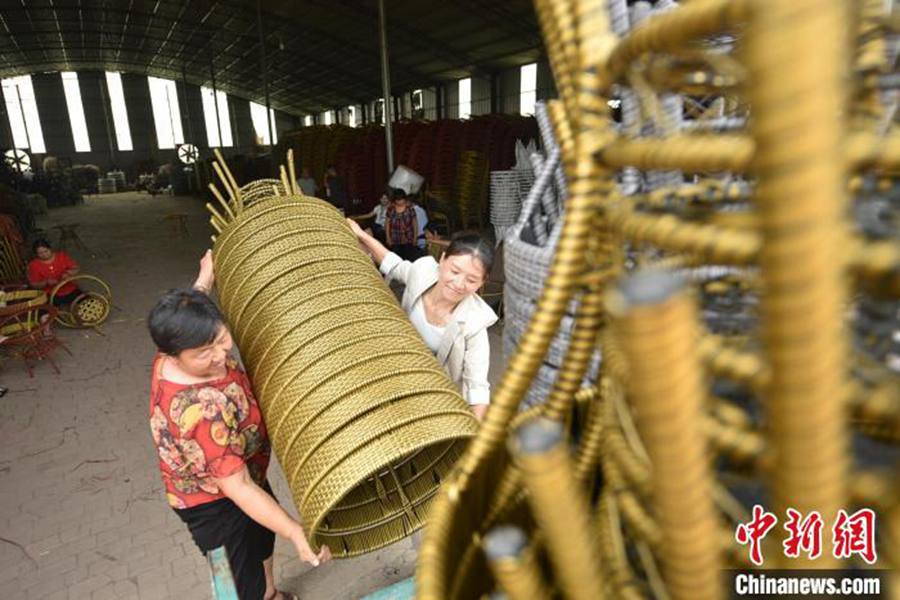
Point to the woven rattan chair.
(90, 308)
(19, 295)
(361, 416)
(440, 222)
(26, 332)
(260, 189)
(436, 247)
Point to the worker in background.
(336, 189)
(401, 228)
(307, 184)
(380, 215)
(212, 442)
(442, 301)
(48, 268)
(422, 221)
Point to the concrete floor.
(82, 512)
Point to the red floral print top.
(204, 431)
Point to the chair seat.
(16, 299)
(16, 331)
(91, 309)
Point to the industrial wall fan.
(188, 153)
(17, 159)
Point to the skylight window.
(528, 89)
(119, 112)
(23, 114)
(166, 114)
(465, 98)
(76, 111)
(261, 124)
(209, 116)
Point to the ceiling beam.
(177, 20)
(51, 31)
(12, 38)
(30, 22)
(295, 108)
(124, 29)
(201, 24)
(323, 52)
(399, 34)
(507, 20)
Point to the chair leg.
(28, 368)
(52, 363)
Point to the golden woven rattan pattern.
(12, 267)
(363, 419)
(14, 299)
(669, 450)
(261, 189)
(90, 308)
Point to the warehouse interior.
(318, 64)
(684, 223)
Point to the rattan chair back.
(362, 418)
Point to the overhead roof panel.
(320, 53)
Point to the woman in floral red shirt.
(212, 442)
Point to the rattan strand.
(657, 339)
(515, 566)
(260, 190)
(799, 196)
(559, 506)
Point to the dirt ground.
(82, 511)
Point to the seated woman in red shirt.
(212, 442)
(48, 268)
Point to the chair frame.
(69, 316)
(26, 332)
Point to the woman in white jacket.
(441, 301)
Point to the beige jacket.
(465, 352)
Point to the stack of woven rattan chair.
(432, 149)
(529, 247)
(508, 191)
(740, 271)
(471, 187)
(445, 154)
(12, 265)
(420, 151)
